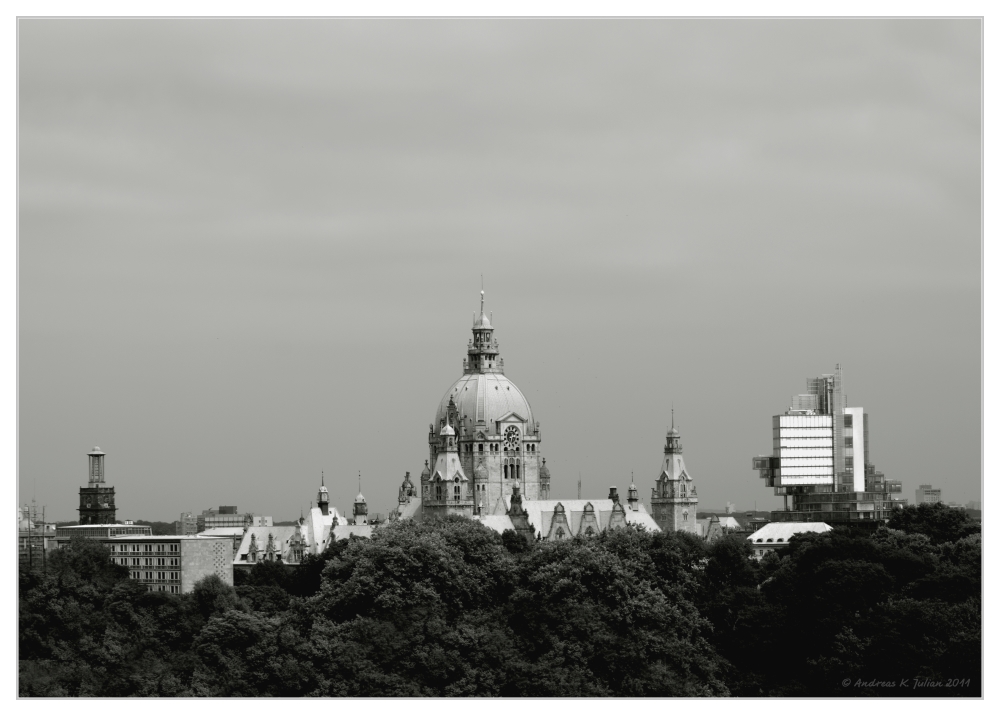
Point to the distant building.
(102, 530)
(974, 505)
(187, 525)
(312, 535)
(97, 500)
(715, 527)
(778, 535)
(172, 564)
(820, 461)
(227, 517)
(926, 494)
(35, 538)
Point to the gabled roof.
(497, 523)
(540, 513)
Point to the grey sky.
(251, 250)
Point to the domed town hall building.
(485, 462)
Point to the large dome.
(486, 397)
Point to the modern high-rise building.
(820, 460)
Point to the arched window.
(590, 530)
(480, 447)
(685, 515)
(505, 470)
(517, 470)
(458, 493)
(437, 492)
(560, 533)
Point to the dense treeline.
(454, 609)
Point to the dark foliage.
(937, 521)
(159, 528)
(452, 608)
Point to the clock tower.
(97, 501)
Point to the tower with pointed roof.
(323, 496)
(674, 499)
(448, 491)
(496, 439)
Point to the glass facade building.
(820, 460)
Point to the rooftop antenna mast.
(579, 487)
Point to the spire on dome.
(482, 322)
(484, 352)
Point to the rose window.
(511, 439)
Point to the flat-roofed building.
(172, 564)
(104, 530)
(927, 494)
(820, 463)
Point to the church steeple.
(484, 351)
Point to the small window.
(848, 421)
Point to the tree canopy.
(453, 608)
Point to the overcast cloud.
(250, 251)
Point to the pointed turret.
(323, 496)
(674, 500)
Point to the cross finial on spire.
(671, 415)
(359, 481)
(482, 294)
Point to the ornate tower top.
(673, 467)
(96, 464)
(484, 351)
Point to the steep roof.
(540, 513)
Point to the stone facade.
(674, 499)
(496, 438)
(97, 501)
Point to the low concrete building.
(172, 564)
(777, 535)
